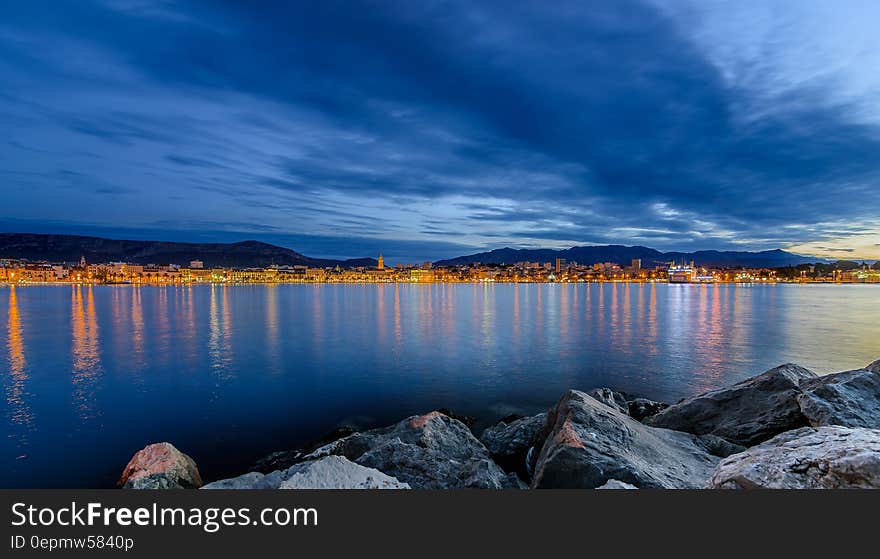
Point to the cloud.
(445, 126)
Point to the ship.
(688, 273)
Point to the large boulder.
(806, 458)
(337, 472)
(431, 451)
(508, 442)
(850, 399)
(586, 443)
(746, 413)
(330, 472)
(160, 466)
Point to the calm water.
(230, 373)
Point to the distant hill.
(246, 254)
(623, 255)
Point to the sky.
(426, 130)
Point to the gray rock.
(616, 484)
(329, 472)
(586, 443)
(611, 398)
(806, 458)
(509, 443)
(716, 446)
(337, 472)
(874, 367)
(642, 408)
(160, 466)
(746, 413)
(850, 399)
(250, 480)
(430, 451)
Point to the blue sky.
(427, 130)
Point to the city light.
(560, 271)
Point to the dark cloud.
(428, 126)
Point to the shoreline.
(787, 428)
(239, 283)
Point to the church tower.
(381, 262)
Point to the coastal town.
(15, 271)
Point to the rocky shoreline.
(786, 428)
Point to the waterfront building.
(681, 273)
(421, 275)
(560, 264)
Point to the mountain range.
(256, 254)
(246, 254)
(623, 255)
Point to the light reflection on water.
(85, 354)
(229, 373)
(20, 418)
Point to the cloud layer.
(428, 129)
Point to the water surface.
(230, 373)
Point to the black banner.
(457, 523)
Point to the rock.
(746, 413)
(508, 442)
(616, 484)
(250, 480)
(874, 367)
(337, 472)
(850, 399)
(586, 443)
(642, 408)
(160, 466)
(329, 472)
(284, 459)
(716, 446)
(613, 399)
(806, 458)
(431, 451)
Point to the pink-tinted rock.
(585, 443)
(160, 466)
